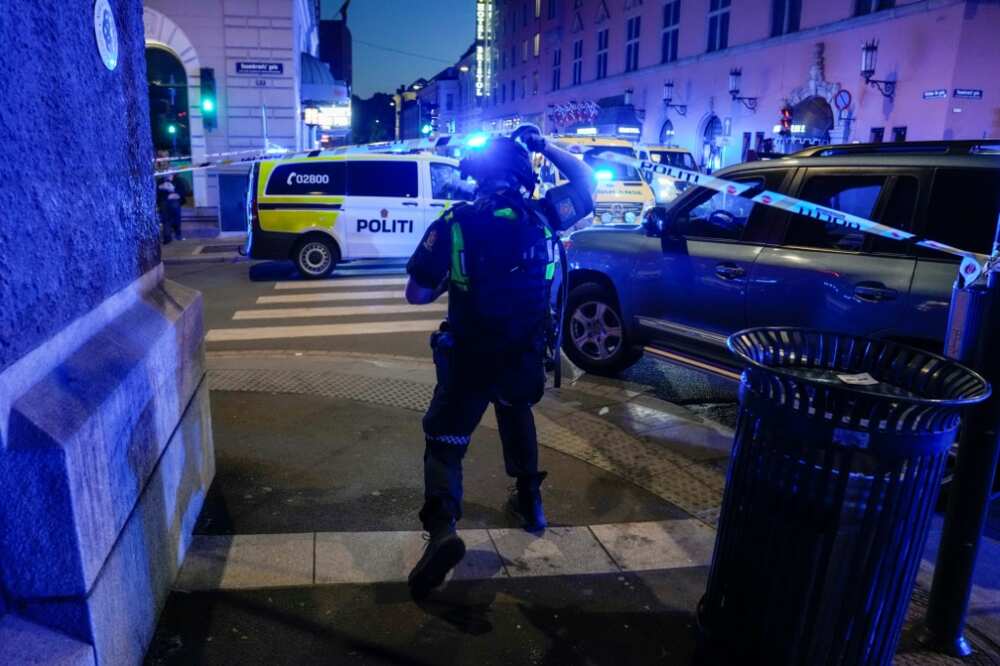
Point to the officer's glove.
(531, 137)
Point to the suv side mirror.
(655, 221)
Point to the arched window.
(667, 133)
(711, 151)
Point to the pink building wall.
(923, 45)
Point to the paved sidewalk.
(309, 531)
(194, 250)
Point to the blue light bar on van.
(477, 140)
(586, 131)
(604, 174)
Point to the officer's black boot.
(525, 502)
(444, 550)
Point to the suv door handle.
(409, 203)
(729, 271)
(874, 292)
(437, 205)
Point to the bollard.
(974, 316)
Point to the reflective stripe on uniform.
(550, 268)
(459, 278)
(454, 440)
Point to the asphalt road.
(266, 306)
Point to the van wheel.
(594, 336)
(315, 257)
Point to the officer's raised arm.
(570, 202)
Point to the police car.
(319, 209)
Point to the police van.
(622, 196)
(319, 209)
(666, 189)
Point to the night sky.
(438, 29)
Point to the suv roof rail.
(965, 147)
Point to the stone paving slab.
(248, 561)
(668, 544)
(561, 551)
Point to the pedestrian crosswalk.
(335, 307)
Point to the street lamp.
(668, 99)
(869, 56)
(735, 75)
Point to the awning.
(317, 84)
(812, 118)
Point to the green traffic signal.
(171, 129)
(426, 129)
(207, 105)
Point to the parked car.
(711, 263)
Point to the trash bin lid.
(860, 365)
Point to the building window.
(632, 44)
(503, 60)
(899, 134)
(524, 15)
(718, 24)
(878, 133)
(503, 94)
(577, 62)
(536, 47)
(449, 102)
(671, 26)
(557, 69)
(862, 7)
(552, 8)
(538, 8)
(534, 82)
(785, 15)
(513, 90)
(602, 53)
(524, 85)
(513, 55)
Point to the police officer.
(496, 258)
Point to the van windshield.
(672, 158)
(611, 170)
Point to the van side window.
(963, 210)
(378, 178)
(850, 194)
(446, 181)
(307, 179)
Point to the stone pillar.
(105, 431)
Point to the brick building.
(727, 68)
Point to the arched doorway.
(711, 146)
(667, 133)
(169, 116)
(812, 122)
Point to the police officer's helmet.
(500, 158)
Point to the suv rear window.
(307, 179)
(382, 178)
(963, 209)
(847, 193)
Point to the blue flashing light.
(426, 129)
(477, 140)
(604, 174)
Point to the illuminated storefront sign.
(484, 46)
(328, 117)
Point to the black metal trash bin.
(839, 451)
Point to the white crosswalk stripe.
(339, 311)
(333, 296)
(371, 303)
(341, 283)
(321, 330)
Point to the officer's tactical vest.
(502, 266)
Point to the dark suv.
(713, 263)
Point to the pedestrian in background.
(171, 192)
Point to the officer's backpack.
(503, 262)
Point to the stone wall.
(76, 184)
(105, 432)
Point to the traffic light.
(426, 129)
(209, 103)
(786, 120)
(171, 129)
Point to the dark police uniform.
(499, 255)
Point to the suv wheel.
(315, 258)
(593, 335)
